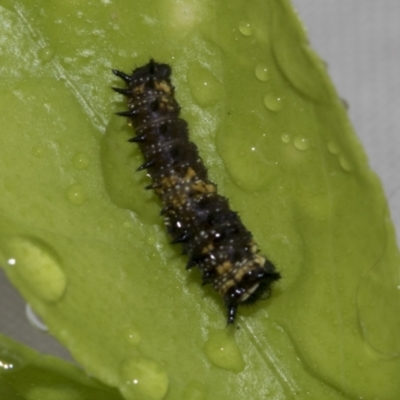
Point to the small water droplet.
(345, 164)
(9, 362)
(143, 378)
(285, 138)
(38, 151)
(37, 266)
(151, 240)
(301, 143)
(204, 86)
(133, 337)
(245, 28)
(75, 194)
(222, 350)
(80, 161)
(34, 320)
(194, 391)
(333, 148)
(127, 224)
(261, 72)
(273, 102)
(5, 365)
(45, 54)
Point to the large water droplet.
(143, 379)
(297, 61)
(222, 350)
(261, 72)
(204, 85)
(273, 102)
(37, 266)
(75, 194)
(245, 28)
(80, 161)
(301, 143)
(253, 166)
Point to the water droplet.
(194, 391)
(133, 336)
(333, 148)
(345, 164)
(38, 151)
(261, 72)
(301, 143)
(245, 28)
(127, 224)
(222, 350)
(252, 167)
(151, 240)
(273, 102)
(75, 194)
(34, 320)
(297, 61)
(37, 266)
(9, 362)
(46, 54)
(80, 161)
(143, 378)
(285, 138)
(204, 86)
(5, 365)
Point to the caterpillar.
(196, 216)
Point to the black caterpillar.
(196, 216)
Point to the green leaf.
(26, 374)
(83, 241)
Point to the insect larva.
(211, 234)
